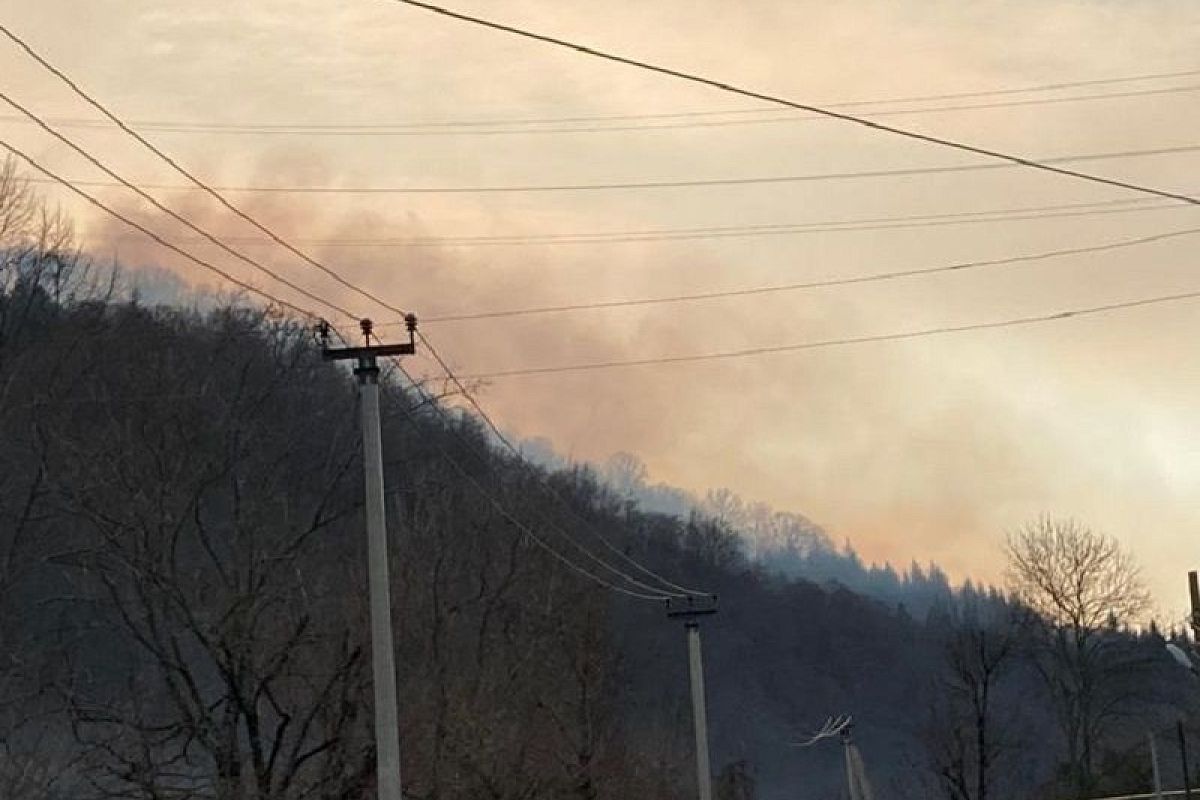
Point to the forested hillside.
(182, 599)
(781, 541)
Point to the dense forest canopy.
(182, 596)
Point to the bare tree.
(736, 782)
(18, 204)
(1081, 587)
(227, 657)
(969, 734)
(41, 272)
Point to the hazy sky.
(928, 449)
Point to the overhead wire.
(151, 124)
(270, 298)
(275, 237)
(448, 424)
(216, 195)
(672, 588)
(894, 222)
(565, 126)
(529, 533)
(601, 365)
(775, 99)
(508, 444)
(694, 182)
(526, 531)
(204, 234)
(816, 284)
(828, 343)
(423, 5)
(1044, 165)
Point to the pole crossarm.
(368, 353)
(691, 606)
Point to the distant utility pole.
(1194, 595)
(1183, 756)
(1154, 766)
(856, 772)
(689, 610)
(387, 723)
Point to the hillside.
(182, 597)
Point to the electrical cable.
(171, 213)
(524, 529)
(817, 284)
(826, 343)
(495, 429)
(1045, 87)
(528, 532)
(689, 183)
(270, 298)
(894, 222)
(522, 127)
(177, 166)
(826, 112)
(273, 236)
(214, 193)
(967, 148)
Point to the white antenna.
(856, 773)
(1181, 657)
(832, 727)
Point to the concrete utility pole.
(1194, 596)
(1154, 766)
(1183, 756)
(856, 772)
(383, 657)
(689, 609)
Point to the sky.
(929, 448)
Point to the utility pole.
(857, 784)
(383, 658)
(1154, 766)
(1194, 596)
(1183, 755)
(689, 610)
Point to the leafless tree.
(1081, 588)
(970, 733)
(230, 662)
(41, 272)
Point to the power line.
(500, 509)
(571, 124)
(825, 343)
(495, 122)
(528, 532)
(180, 169)
(817, 284)
(1013, 159)
(1018, 214)
(155, 237)
(503, 439)
(658, 594)
(845, 117)
(692, 183)
(207, 236)
(292, 249)
(673, 590)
